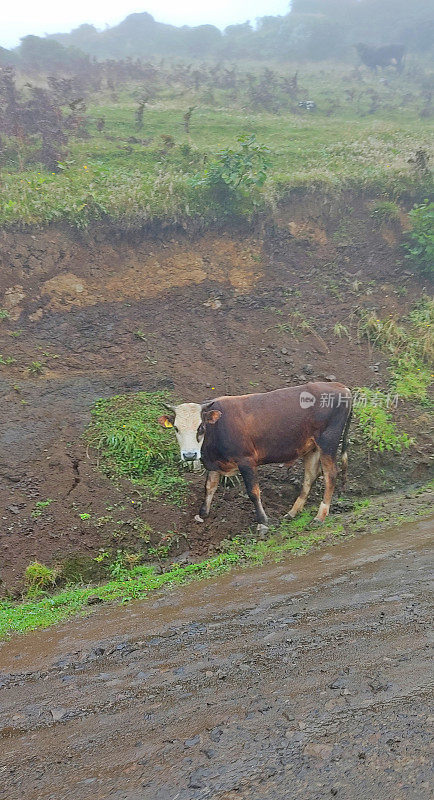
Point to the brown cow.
(242, 432)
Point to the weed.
(36, 368)
(236, 175)
(118, 569)
(387, 334)
(385, 211)
(411, 379)
(421, 318)
(85, 516)
(359, 505)
(15, 334)
(4, 314)
(159, 552)
(38, 579)
(39, 507)
(7, 361)
(341, 330)
(334, 289)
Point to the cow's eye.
(176, 429)
(200, 430)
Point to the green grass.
(410, 344)
(105, 176)
(290, 537)
(374, 420)
(38, 578)
(130, 443)
(385, 211)
(411, 379)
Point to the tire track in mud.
(265, 684)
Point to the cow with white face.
(189, 421)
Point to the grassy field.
(364, 132)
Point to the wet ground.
(308, 679)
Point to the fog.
(27, 17)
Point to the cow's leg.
(330, 470)
(212, 481)
(250, 478)
(312, 468)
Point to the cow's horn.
(169, 406)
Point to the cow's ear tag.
(165, 422)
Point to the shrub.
(234, 175)
(420, 240)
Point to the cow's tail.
(344, 449)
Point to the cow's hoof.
(290, 515)
(198, 518)
(262, 530)
(317, 521)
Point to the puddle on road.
(241, 589)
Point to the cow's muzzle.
(190, 456)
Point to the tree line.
(313, 30)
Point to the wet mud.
(310, 678)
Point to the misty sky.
(22, 17)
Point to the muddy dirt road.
(305, 679)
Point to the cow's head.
(189, 421)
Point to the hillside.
(192, 230)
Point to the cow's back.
(271, 427)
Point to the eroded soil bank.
(310, 678)
(202, 314)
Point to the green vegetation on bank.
(373, 414)
(410, 344)
(147, 150)
(291, 537)
(420, 240)
(130, 443)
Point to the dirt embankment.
(97, 314)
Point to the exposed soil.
(208, 308)
(309, 679)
